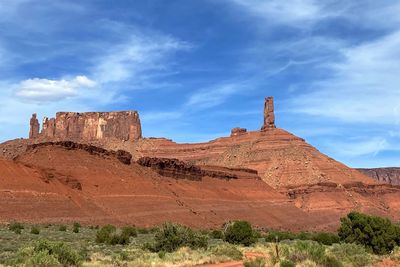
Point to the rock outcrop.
(183, 170)
(238, 131)
(123, 156)
(384, 175)
(88, 126)
(269, 116)
(34, 127)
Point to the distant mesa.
(88, 126)
(120, 125)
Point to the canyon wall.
(87, 126)
(384, 175)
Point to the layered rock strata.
(384, 175)
(88, 126)
(269, 115)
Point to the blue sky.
(195, 69)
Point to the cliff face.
(87, 126)
(385, 175)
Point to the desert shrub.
(47, 253)
(326, 238)
(257, 262)
(35, 230)
(302, 250)
(142, 231)
(377, 234)
(62, 228)
(355, 255)
(75, 228)
(322, 237)
(240, 232)
(103, 235)
(171, 236)
(227, 250)
(63, 253)
(129, 231)
(108, 234)
(217, 234)
(16, 227)
(272, 236)
(43, 259)
(287, 263)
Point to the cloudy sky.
(195, 69)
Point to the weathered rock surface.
(269, 115)
(34, 127)
(238, 131)
(121, 155)
(384, 175)
(182, 170)
(87, 126)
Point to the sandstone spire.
(269, 116)
(34, 127)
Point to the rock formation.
(34, 127)
(87, 126)
(384, 175)
(269, 116)
(238, 131)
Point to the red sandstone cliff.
(87, 126)
(289, 167)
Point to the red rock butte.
(96, 167)
(86, 126)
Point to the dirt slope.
(54, 183)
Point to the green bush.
(62, 228)
(47, 253)
(42, 259)
(227, 250)
(76, 227)
(322, 237)
(326, 238)
(143, 231)
(240, 232)
(108, 234)
(103, 235)
(129, 231)
(287, 263)
(63, 253)
(16, 227)
(35, 230)
(257, 262)
(378, 235)
(273, 236)
(217, 234)
(170, 237)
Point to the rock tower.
(34, 127)
(269, 116)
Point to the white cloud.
(297, 13)
(365, 86)
(135, 56)
(45, 90)
(211, 97)
(371, 146)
